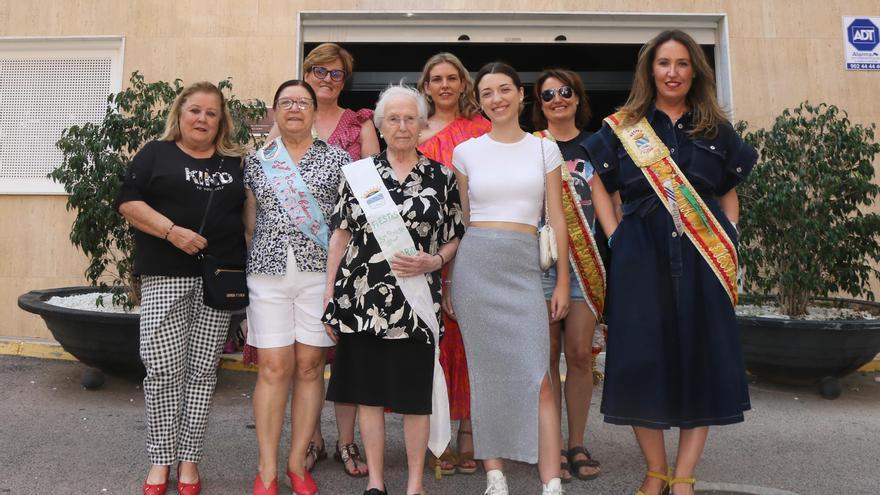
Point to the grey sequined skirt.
(499, 303)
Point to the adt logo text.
(863, 35)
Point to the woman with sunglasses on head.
(327, 68)
(562, 111)
(453, 117)
(505, 178)
(291, 190)
(673, 160)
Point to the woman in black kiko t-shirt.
(163, 196)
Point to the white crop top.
(506, 180)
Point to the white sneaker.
(553, 488)
(496, 483)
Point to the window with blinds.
(42, 92)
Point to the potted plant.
(94, 158)
(807, 235)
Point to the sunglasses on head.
(335, 74)
(563, 91)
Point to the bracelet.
(442, 259)
(168, 231)
(447, 282)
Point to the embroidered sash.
(390, 231)
(293, 193)
(583, 253)
(689, 213)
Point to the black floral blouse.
(366, 297)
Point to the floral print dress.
(366, 297)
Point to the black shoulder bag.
(224, 285)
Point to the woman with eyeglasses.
(326, 69)
(562, 111)
(291, 189)
(397, 223)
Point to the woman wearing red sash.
(561, 108)
(673, 353)
(453, 118)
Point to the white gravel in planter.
(89, 302)
(813, 313)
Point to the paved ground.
(56, 437)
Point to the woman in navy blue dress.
(673, 352)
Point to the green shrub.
(806, 229)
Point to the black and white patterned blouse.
(366, 297)
(320, 168)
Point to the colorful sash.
(689, 212)
(583, 253)
(293, 193)
(393, 237)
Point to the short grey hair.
(400, 91)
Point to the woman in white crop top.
(496, 292)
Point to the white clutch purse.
(547, 247)
(546, 236)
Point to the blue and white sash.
(390, 231)
(293, 193)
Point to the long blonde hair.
(223, 143)
(467, 103)
(707, 112)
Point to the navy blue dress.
(673, 351)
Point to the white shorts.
(287, 308)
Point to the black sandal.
(564, 466)
(576, 465)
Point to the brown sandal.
(448, 458)
(350, 452)
(316, 454)
(465, 456)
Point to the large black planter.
(107, 341)
(810, 352)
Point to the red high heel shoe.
(303, 486)
(261, 489)
(188, 488)
(157, 489)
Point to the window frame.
(60, 47)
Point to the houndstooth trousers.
(181, 339)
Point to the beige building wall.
(782, 52)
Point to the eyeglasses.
(563, 91)
(302, 103)
(397, 121)
(335, 74)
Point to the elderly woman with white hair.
(397, 222)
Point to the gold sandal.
(681, 481)
(666, 478)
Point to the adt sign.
(863, 34)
